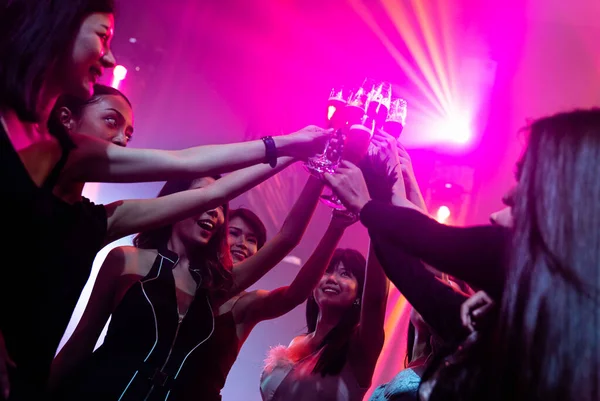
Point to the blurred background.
(472, 72)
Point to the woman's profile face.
(504, 216)
(199, 230)
(89, 56)
(110, 119)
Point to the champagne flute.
(356, 145)
(380, 104)
(335, 108)
(396, 118)
(358, 138)
(329, 159)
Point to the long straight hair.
(550, 314)
(544, 345)
(336, 342)
(380, 180)
(214, 259)
(34, 36)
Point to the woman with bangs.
(336, 359)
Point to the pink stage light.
(459, 130)
(442, 214)
(119, 74)
(453, 129)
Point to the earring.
(357, 302)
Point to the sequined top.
(403, 387)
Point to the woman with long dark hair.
(328, 362)
(549, 286)
(171, 269)
(550, 307)
(336, 359)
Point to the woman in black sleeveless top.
(139, 284)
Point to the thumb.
(329, 179)
(347, 164)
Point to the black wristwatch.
(270, 151)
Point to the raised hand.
(475, 310)
(349, 185)
(413, 192)
(385, 146)
(309, 141)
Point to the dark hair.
(410, 344)
(76, 105)
(34, 35)
(550, 311)
(255, 223)
(544, 344)
(336, 342)
(215, 256)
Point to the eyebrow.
(120, 115)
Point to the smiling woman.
(247, 234)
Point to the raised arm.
(99, 307)
(252, 269)
(412, 190)
(437, 302)
(263, 305)
(370, 336)
(474, 254)
(94, 160)
(132, 216)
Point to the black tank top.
(47, 254)
(149, 355)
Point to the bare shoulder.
(131, 260)
(299, 341)
(240, 303)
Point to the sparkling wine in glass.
(356, 145)
(396, 118)
(356, 106)
(335, 108)
(335, 117)
(379, 104)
